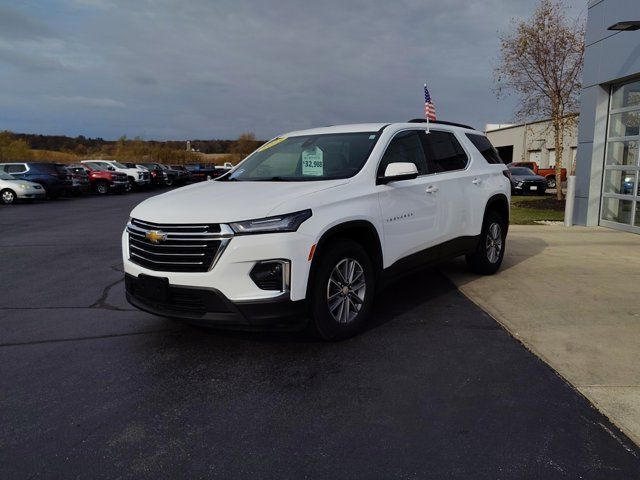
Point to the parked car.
(53, 177)
(523, 180)
(12, 189)
(80, 184)
(549, 174)
(205, 171)
(312, 224)
(183, 172)
(173, 177)
(627, 185)
(157, 174)
(101, 179)
(136, 176)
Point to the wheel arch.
(498, 203)
(360, 231)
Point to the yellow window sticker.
(272, 143)
(312, 162)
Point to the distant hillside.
(60, 148)
(82, 144)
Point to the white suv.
(137, 176)
(309, 226)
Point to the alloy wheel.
(345, 290)
(494, 242)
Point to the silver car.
(12, 189)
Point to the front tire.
(102, 188)
(342, 292)
(8, 196)
(487, 258)
(551, 182)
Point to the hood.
(224, 202)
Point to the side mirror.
(398, 171)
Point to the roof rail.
(441, 122)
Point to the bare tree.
(541, 61)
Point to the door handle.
(476, 181)
(431, 189)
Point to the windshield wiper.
(272, 179)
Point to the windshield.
(521, 171)
(310, 157)
(118, 165)
(6, 176)
(98, 166)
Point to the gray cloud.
(214, 69)
(28, 61)
(15, 25)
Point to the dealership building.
(608, 158)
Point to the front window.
(307, 158)
(118, 165)
(98, 166)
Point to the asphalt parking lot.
(91, 388)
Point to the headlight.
(519, 184)
(282, 223)
(25, 186)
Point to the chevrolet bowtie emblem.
(155, 236)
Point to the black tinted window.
(14, 168)
(444, 152)
(405, 147)
(484, 146)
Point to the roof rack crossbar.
(441, 122)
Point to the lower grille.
(177, 247)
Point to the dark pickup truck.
(206, 171)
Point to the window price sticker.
(312, 162)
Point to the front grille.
(182, 248)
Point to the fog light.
(271, 275)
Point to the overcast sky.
(181, 69)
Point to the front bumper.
(208, 306)
(30, 194)
(119, 185)
(230, 275)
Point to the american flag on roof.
(429, 107)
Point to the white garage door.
(535, 156)
(552, 158)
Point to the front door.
(409, 208)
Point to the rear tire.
(342, 291)
(551, 182)
(487, 258)
(8, 196)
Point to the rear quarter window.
(484, 146)
(19, 168)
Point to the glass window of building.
(620, 191)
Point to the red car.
(101, 179)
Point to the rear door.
(448, 163)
